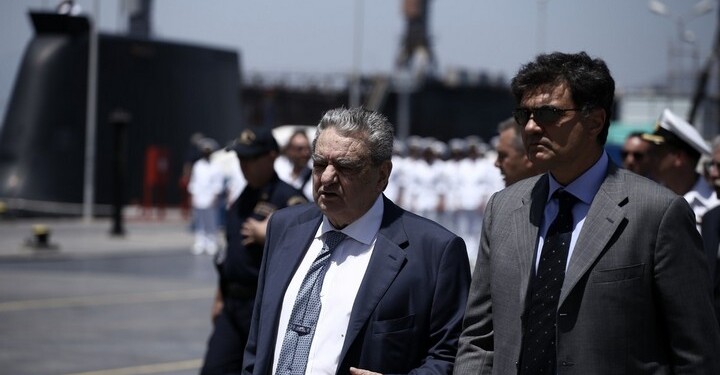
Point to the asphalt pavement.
(68, 237)
(93, 303)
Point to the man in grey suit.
(631, 294)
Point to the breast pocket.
(393, 325)
(618, 274)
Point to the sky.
(321, 36)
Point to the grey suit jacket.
(636, 296)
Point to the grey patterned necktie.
(301, 327)
(538, 353)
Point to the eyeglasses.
(636, 155)
(543, 116)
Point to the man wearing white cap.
(676, 152)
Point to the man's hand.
(253, 231)
(357, 371)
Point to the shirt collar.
(363, 229)
(702, 191)
(587, 185)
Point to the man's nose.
(328, 176)
(532, 126)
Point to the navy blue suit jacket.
(408, 313)
(711, 242)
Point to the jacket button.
(566, 363)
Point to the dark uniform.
(239, 265)
(238, 274)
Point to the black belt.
(237, 290)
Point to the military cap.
(254, 142)
(671, 129)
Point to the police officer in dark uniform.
(239, 264)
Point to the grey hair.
(517, 141)
(349, 121)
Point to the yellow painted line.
(157, 368)
(107, 300)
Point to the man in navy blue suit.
(393, 294)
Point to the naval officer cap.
(672, 130)
(254, 142)
(457, 145)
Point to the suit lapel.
(386, 262)
(602, 221)
(288, 256)
(526, 232)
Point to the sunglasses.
(636, 155)
(543, 116)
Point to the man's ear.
(384, 174)
(682, 157)
(596, 118)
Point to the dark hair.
(589, 80)
(675, 143)
(295, 133)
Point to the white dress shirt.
(284, 169)
(701, 198)
(348, 264)
(206, 182)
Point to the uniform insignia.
(264, 209)
(296, 199)
(247, 137)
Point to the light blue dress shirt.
(584, 188)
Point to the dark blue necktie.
(538, 353)
(303, 319)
